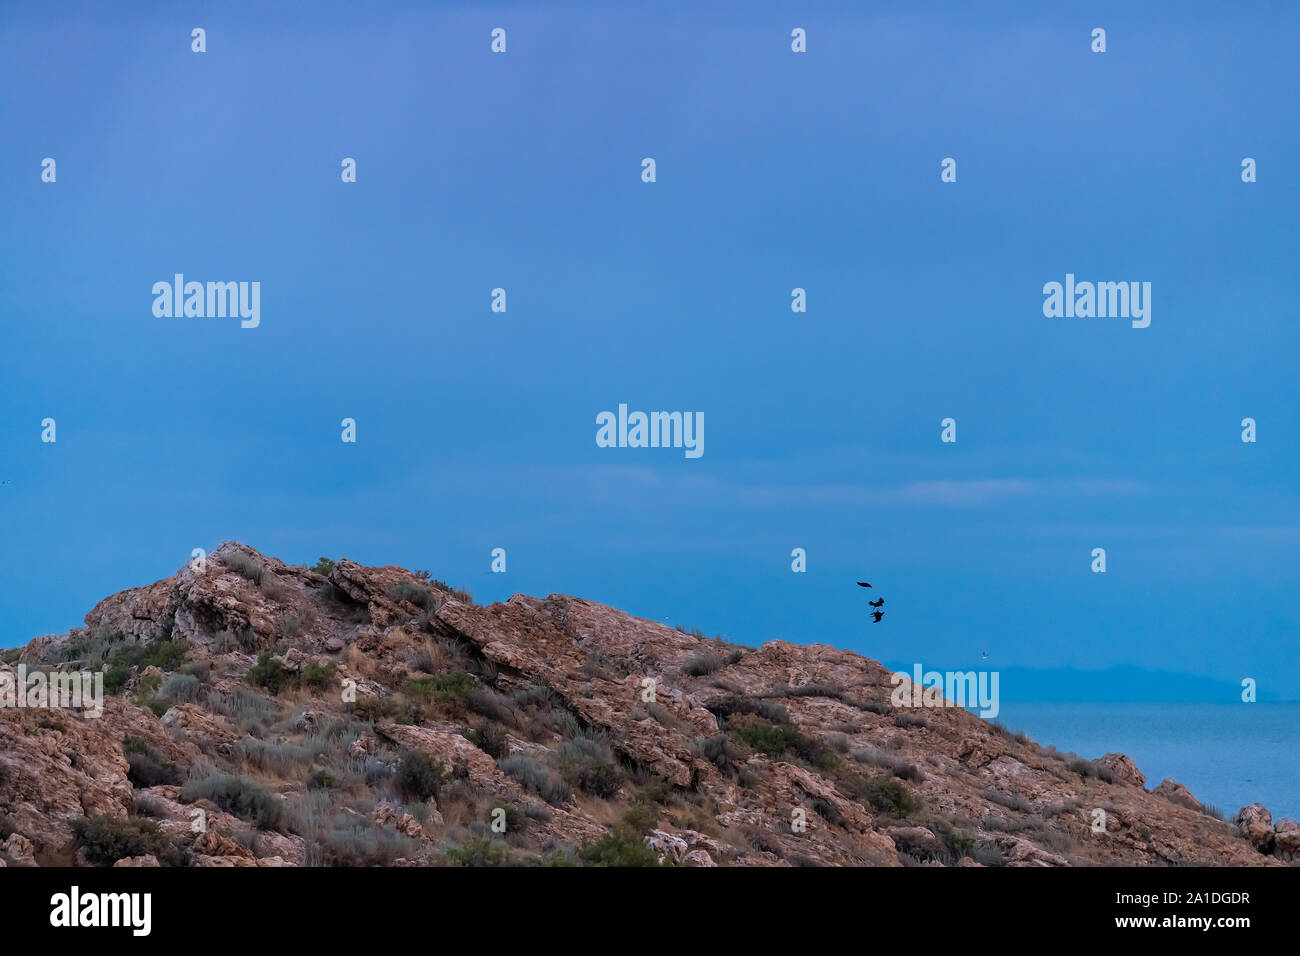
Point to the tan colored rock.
(1123, 768)
(1175, 792)
(19, 849)
(1256, 825)
(212, 843)
(1286, 835)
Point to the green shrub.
(529, 773)
(323, 566)
(419, 776)
(477, 851)
(146, 768)
(615, 850)
(239, 797)
(735, 704)
(317, 677)
(698, 665)
(888, 795)
(268, 673)
(590, 764)
(406, 591)
(490, 739)
(352, 841)
(717, 750)
(441, 688)
(284, 759)
(180, 687)
(774, 740)
(105, 840)
(320, 779)
(166, 655)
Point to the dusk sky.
(775, 170)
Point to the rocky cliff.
(263, 714)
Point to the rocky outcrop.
(1256, 825)
(1122, 768)
(265, 714)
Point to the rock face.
(1123, 768)
(1256, 825)
(262, 714)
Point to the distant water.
(1228, 755)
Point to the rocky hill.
(263, 714)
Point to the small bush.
(419, 776)
(323, 566)
(146, 768)
(351, 841)
(590, 764)
(268, 673)
(442, 688)
(180, 687)
(284, 759)
(717, 750)
(774, 740)
(317, 677)
(244, 565)
(699, 665)
(615, 850)
(290, 623)
(903, 769)
(239, 797)
(1090, 768)
(477, 851)
(1009, 800)
(888, 795)
(460, 595)
(105, 840)
(837, 741)
(541, 780)
(490, 739)
(734, 704)
(406, 591)
(166, 655)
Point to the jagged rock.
(1286, 836)
(1256, 825)
(1175, 792)
(212, 843)
(698, 858)
(19, 849)
(147, 860)
(1123, 768)
(668, 846)
(386, 814)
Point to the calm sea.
(1228, 755)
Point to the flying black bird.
(877, 603)
(877, 615)
(863, 584)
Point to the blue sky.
(776, 170)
